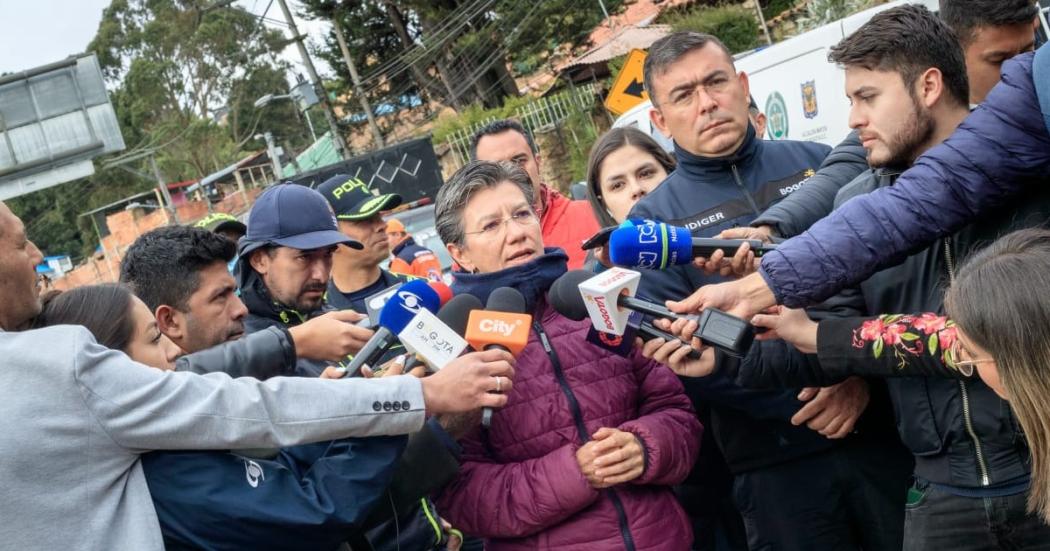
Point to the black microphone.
(716, 328)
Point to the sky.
(37, 32)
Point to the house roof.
(638, 14)
(620, 43)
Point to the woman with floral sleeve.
(999, 327)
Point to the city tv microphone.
(399, 310)
(657, 246)
(607, 299)
(437, 340)
(503, 325)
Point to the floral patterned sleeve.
(890, 345)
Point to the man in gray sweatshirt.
(76, 416)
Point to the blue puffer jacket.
(961, 432)
(998, 149)
(709, 195)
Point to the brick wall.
(126, 226)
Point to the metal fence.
(537, 116)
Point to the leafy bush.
(773, 8)
(736, 26)
(579, 151)
(822, 12)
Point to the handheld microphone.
(602, 298)
(374, 303)
(399, 310)
(657, 246)
(437, 340)
(503, 324)
(565, 298)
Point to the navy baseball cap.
(351, 200)
(291, 215)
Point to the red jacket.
(567, 224)
(529, 492)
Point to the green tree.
(736, 26)
(183, 77)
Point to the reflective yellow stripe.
(433, 522)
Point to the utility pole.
(605, 12)
(762, 21)
(329, 113)
(271, 151)
(163, 187)
(376, 133)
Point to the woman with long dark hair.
(117, 318)
(1001, 309)
(624, 165)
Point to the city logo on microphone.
(499, 327)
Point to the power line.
(437, 41)
(437, 37)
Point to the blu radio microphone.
(503, 325)
(656, 246)
(375, 303)
(437, 340)
(607, 299)
(399, 310)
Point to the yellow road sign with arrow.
(628, 90)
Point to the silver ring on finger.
(499, 384)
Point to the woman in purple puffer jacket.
(585, 452)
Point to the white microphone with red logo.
(602, 295)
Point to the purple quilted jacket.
(524, 489)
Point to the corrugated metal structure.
(53, 120)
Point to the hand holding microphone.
(656, 246)
(396, 314)
(606, 297)
(465, 384)
(330, 337)
(502, 325)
